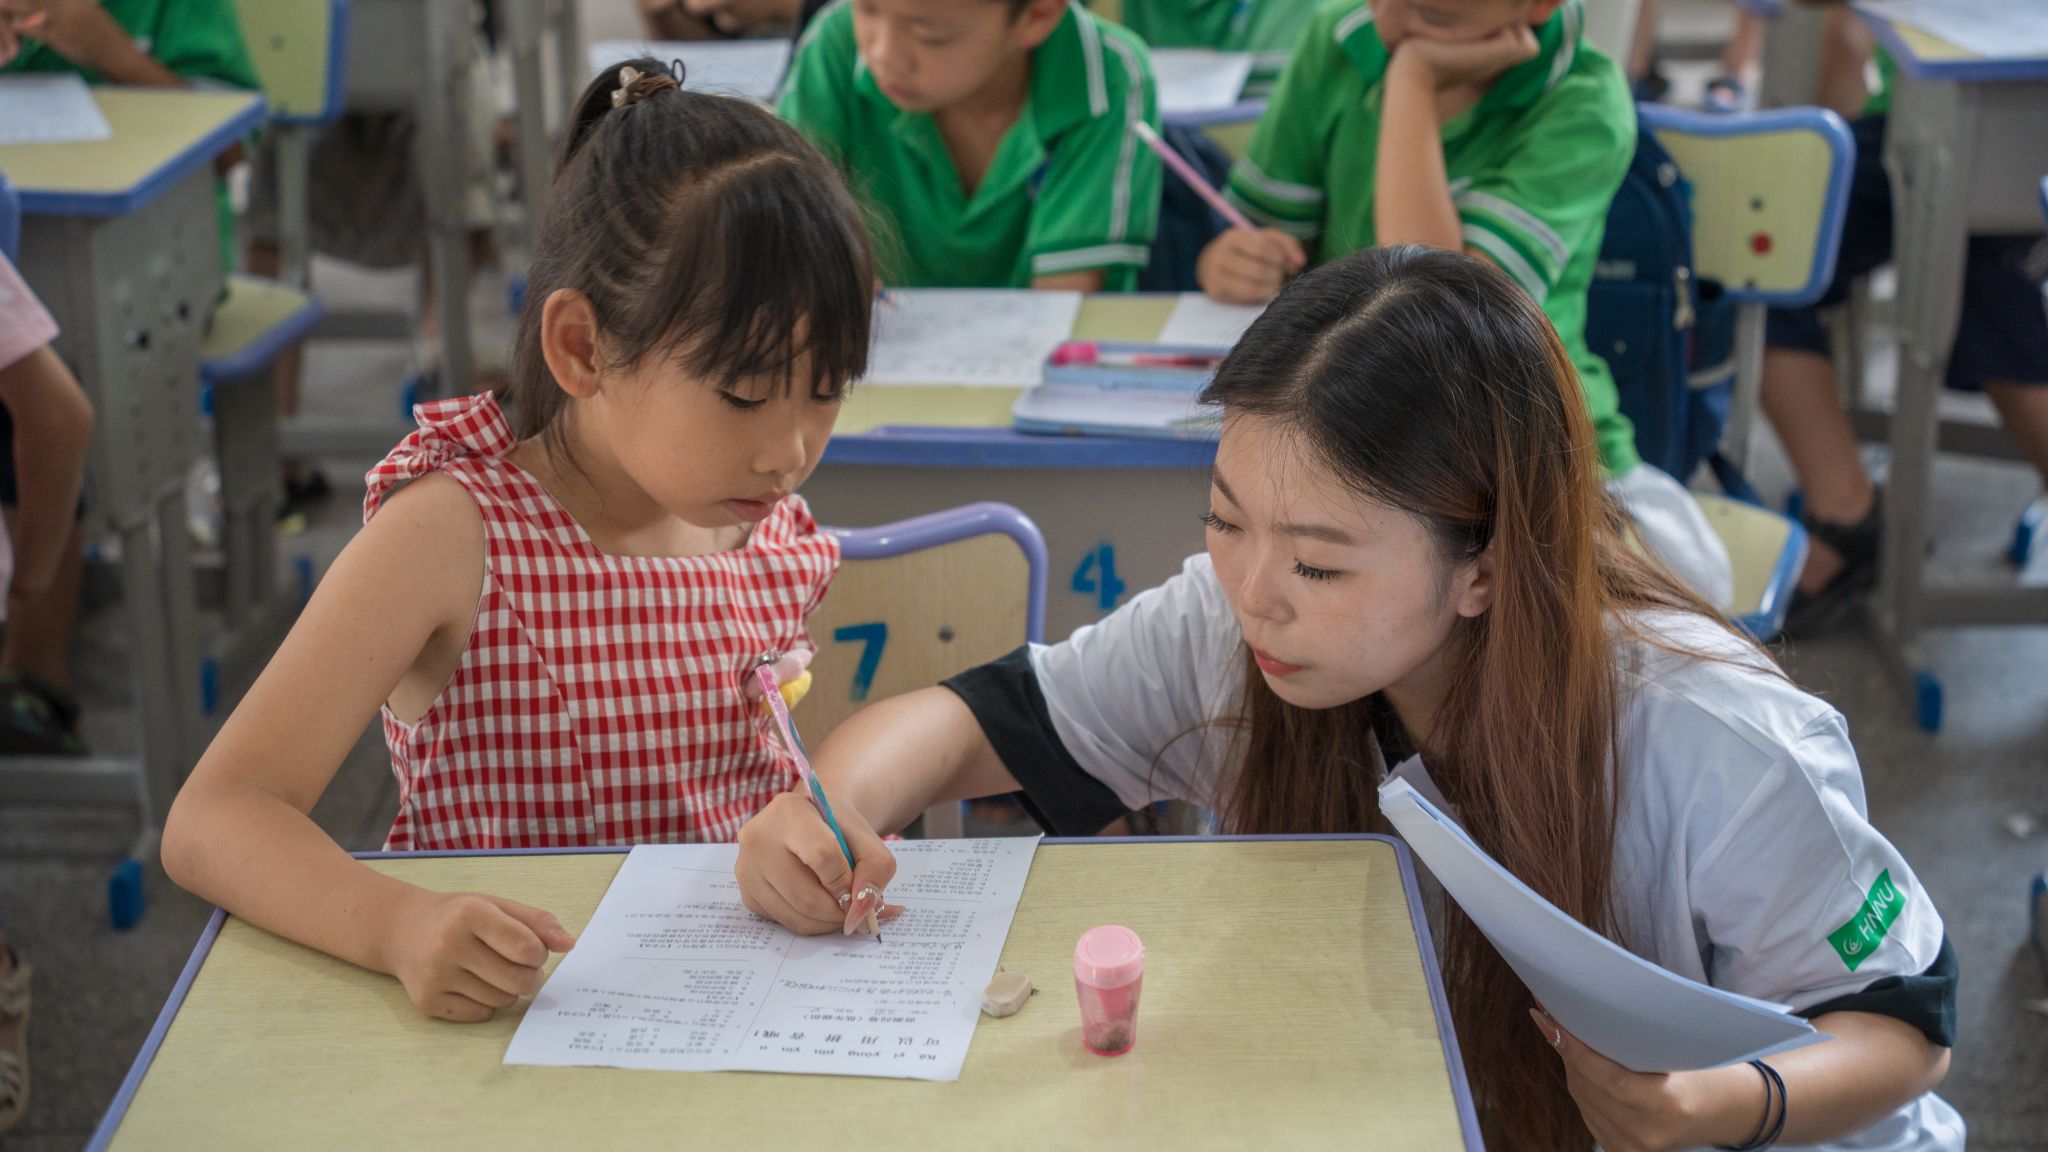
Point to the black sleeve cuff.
(1006, 701)
(1926, 1001)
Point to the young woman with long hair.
(1412, 567)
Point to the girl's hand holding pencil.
(792, 871)
(823, 868)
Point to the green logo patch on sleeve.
(1856, 940)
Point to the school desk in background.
(122, 243)
(414, 56)
(1966, 150)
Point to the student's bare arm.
(881, 768)
(1412, 193)
(239, 834)
(82, 32)
(896, 759)
(1873, 1065)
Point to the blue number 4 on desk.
(1097, 575)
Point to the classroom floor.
(1955, 802)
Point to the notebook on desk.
(1124, 389)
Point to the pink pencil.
(1191, 178)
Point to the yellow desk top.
(160, 134)
(1108, 316)
(1287, 1004)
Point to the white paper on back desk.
(977, 337)
(1196, 319)
(674, 973)
(1196, 80)
(1621, 1005)
(50, 108)
(1997, 29)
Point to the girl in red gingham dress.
(560, 591)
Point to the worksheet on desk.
(674, 973)
(56, 108)
(1196, 319)
(977, 337)
(1998, 29)
(1194, 80)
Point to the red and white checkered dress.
(598, 700)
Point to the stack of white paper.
(1196, 319)
(1196, 80)
(49, 109)
(986, 338)
(749, 68)
(674, 973)
(1145, 413)
(1622, 1006)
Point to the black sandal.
(304, 489)
(37, 719)
(1858, 545)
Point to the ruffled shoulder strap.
(448, 430)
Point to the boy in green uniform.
(992, 138)
(146, 43)
(1483, 125)
(149, 43)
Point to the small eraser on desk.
(1006, 994)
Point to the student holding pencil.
(557, 621)
(1412, 567)
(1488, 126)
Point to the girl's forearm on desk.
(265, 861)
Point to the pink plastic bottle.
(1109, 970)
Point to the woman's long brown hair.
(1431, 384)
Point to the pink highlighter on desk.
(1090, 353)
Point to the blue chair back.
(10, 221)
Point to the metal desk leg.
(1738, 440)
(142, 600)
(255, 615)
(245, 443)
(180, 592)
(1932, 141)
(131, 294)
(443, 148)
(523, 20)
(295, 236)
(572, 66)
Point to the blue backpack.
(1667, 335)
